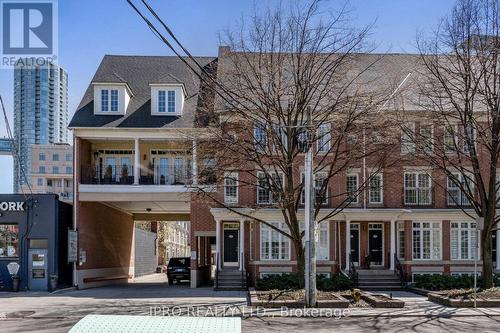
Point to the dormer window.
(111, 99)
(107, 103)
(167, 99)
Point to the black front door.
(355, 246)
(230, 246)
(375, 246)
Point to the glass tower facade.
(40, 112)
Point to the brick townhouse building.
(137, 133)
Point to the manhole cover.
(19, 314)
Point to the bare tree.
(279, 68)
(458, 84)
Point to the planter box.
(338, 302)
(382, 301)
(461, 303)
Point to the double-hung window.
(469, 139)
(463, 240)
(171, 101)
(161, 101)
(427, 240)
(417, 188)
(376, 189)
(268, 189)
(260, 137)
(104, 100)
(450, 139)
(114, 100)
(323, 138)
(273, 244)
(319, 181)
(408, 139)
(352, 188)
(427, 138)
(231, 187)
(458, 185)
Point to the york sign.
(11, 206)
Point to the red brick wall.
(106, 234)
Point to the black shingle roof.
(139, 72)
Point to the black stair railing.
(353, 274)
(399, 270)
(217, 271)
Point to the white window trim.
(440, 229)
(379, 174)
(327, 226)
(260, 146)
(180, 94)
(417, 188)
(235, 176)
(271, 201)
(461, 194)
(356, 201)
(327, 195)
(269, 231)
(400, 227)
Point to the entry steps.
(231, 279)
(378, 280)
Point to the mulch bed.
(298, 295)
(465, 297)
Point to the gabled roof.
(138, 72)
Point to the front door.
(375, 243)
(38, 269)
(231, 233)
(355, 244)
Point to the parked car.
(178, 269)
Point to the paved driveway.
(59, 311)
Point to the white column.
(217, 243)
(62, 185)
(194, 164)
(393, 244)
(498, 247)
(347, 243)
(137, 163)
(242, 245)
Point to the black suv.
(179, 269)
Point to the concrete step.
(382, 288)
(374, 272)
(378, 277)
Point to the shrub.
(290, 281)
(444, 282)
(283, 281)
(336, 283)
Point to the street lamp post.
(310, 225)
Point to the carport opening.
(156, 243)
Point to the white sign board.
(72, 246)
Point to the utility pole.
(310, 225)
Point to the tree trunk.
(299, 250)
(487, 259)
